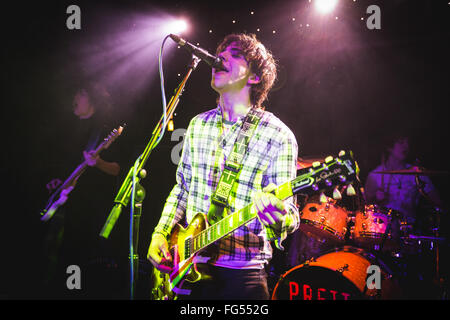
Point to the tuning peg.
(350, 190)
(341, 153)
(328, 159)
(323, 198)
(316, 164)
(336, 194)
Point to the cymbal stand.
(420, 187)
(388, 230)
(436, 227)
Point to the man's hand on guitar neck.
(270, 209)
(158, 253)
(94, 160)
(91, 158)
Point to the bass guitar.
(59, 197)
(186, 243)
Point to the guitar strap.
(233, 165)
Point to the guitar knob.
(336, 194)
(142, 174)
(350, 190)
(323, 198)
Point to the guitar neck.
(222, 228)
(311, 181)
(74, 175)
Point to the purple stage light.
(125, 50)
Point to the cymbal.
(414, 171)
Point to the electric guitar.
(59, 197)
(186, 243)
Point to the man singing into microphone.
(235, 263)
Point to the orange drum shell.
(324, 221)
(371, 225)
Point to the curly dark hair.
(260, 60)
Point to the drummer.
(400, 192)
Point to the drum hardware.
(343, 268)
(437, 211)
(388, 229)
(309, 261)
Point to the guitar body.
(181, 258)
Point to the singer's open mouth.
(220, 71)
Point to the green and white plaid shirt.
(271, 158)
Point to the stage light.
(176, 26)
(325, 6)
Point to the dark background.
(340, 86)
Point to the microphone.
(213, 61)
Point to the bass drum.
(341, 274)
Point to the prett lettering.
(306, 292)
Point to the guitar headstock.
(112, 136)
(334, 172)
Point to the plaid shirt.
(270, 158)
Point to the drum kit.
(352, 251)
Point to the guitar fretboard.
(223, 228)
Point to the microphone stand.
(123, 196)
